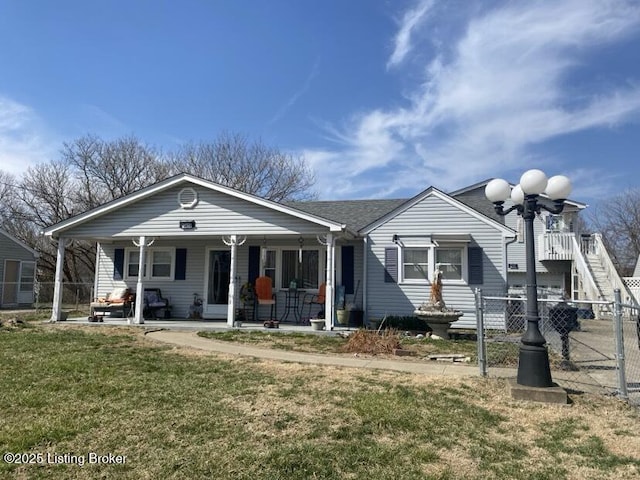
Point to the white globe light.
(497, 190)
(558, 187)
(517, 195)
(533, 182)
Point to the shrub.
(409, 322)
(368, 341)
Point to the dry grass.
(371, 342)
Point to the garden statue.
(434, 312)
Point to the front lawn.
(71, 392)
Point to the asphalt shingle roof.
(356, 214)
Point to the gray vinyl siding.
(516, 252)
(215, 214)
(428, 217)
(10, 250)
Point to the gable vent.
(188, 198)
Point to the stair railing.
(610, 270)
(588, 284)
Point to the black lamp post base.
(533, 366)
(553, 394)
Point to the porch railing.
(556, 246)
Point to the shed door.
(10, 282)
(217, 288)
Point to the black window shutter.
(391, 265)
(181, 264)
(347, 268)
(118, 263)
(475, 266)
(254, 264)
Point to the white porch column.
(96, 273)
(138, 317)
(231, 302)
(56, 310)
(329, 313)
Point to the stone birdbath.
(434, 312)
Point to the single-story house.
(193, 238)
(17, 271)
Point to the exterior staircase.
(600, 277)
(603, 273)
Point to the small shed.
(17, 272)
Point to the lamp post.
(533, 365)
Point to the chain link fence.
(586, 354)
(76, 297)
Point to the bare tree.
(251, 167)
(89, 173)
(109, 170)
(618, 220)
(7, 193)
(92, 171)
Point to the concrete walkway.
(425, 367)
(183, 333)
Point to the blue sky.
(383, 98)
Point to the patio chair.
(264, 296)
(119, 301)
(311, 299)
(155, 303)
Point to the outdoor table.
(292, 304)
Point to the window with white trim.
(27, 276)
(419, 263)
(450, 261)
(269, 268)
(415, 263)
(159, 263)
(284, 265)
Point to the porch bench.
(120, 300)
(155, 303)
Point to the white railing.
(609, 268)
(587, 288)
(556, 246)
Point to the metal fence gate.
(586, 354)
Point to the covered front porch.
(199, 243)
(214, 278)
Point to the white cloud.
(506, 83)
(22, 138)
(411, 20)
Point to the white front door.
(217, 275)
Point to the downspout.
(365, 248)
(506, 261)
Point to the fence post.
(619, 335)
(482, 350)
